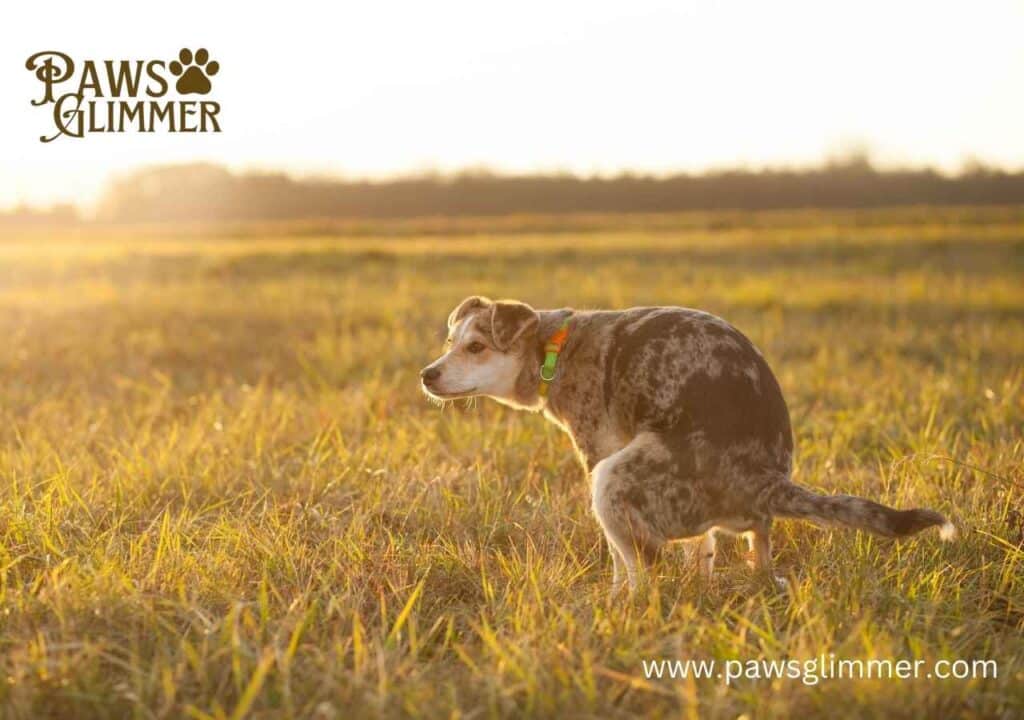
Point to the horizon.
(213, 192)
(855, 158)
(393, 90)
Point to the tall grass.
(223, 495)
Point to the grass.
(224, 496)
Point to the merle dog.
(673, 412)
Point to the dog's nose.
(430, 374)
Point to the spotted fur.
(674, 413)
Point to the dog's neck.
(549, 323)
(527, 387)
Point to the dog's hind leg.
(618, 567)
(624, 486)
(706, 555)
(760, 540)
(701, 553)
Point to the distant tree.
(205, 192)
(62, 214)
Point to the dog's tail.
(793, 501)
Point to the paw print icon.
(193, 71)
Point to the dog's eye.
(475, 347)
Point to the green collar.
(551, 351)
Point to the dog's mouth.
(443, 395)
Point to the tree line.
(204, 192)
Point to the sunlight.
(374, 89)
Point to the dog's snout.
(430, 374)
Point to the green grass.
(224, 496)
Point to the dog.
(674, 414)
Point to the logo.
(122, 96)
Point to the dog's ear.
(473, 302)
(509, 321)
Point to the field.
(224, 495)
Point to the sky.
(372, 89)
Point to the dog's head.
(490, 345)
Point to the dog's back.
(685, 374)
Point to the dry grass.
(223, 495)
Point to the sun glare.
(373, 89)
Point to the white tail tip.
(947, 532)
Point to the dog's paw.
(775, 583)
